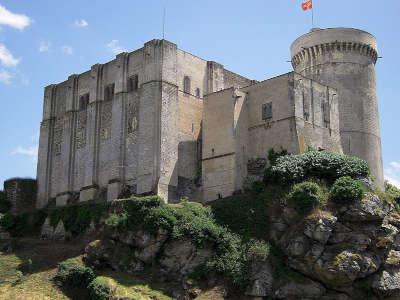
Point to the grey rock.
(387, 283)
(47, 230)
(320, 229)
(293, 290)
(262, 280)
(343, 268)
(59, 231)
(370, 208)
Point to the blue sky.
(44, 41)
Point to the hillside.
(314, 228)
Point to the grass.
(28, 272)
(135, 288)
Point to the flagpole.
(312, 15)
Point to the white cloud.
(392, 173)
(11, 19)
(5, 77)
(6, 57)
(29, 151)
(81, 23)
(67, 50)
(115, 48)
(44, 46)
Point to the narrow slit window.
(186, 84)
(198, 93)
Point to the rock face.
(354, 249)
(48, 232)
(350, 252)
(130, 251)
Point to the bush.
(77, 218)
(102, 288)
(73, 273)
(194, 222)
(346, 190)
(7, 221)
(317, 164)
(274, 155)
(258, 187)
(305, 196)
(392, 191)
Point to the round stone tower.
(344, 58)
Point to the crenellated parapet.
(315, 51)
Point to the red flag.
(306, 5)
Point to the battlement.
(322, 49)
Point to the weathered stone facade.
(161, 120)
(345, 58)
(237, 131)
(21, 193)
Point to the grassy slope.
(37, 260)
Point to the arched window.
(198, 93)
(186, 84)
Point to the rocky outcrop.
(350, 249)
(349, 252)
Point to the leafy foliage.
(77, 218)
(305, 196)
(73, 273)
(317, 164)
(392, 190)
(274, 155)
(346, 190)
(247, 214)
(193, 221)
(102, 288)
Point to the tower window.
(133, 83)
(267, 111)
(186, 84)
(109, 92)
(83, 101)
(198, 93)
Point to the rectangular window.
(109, 92)
(83, 101)
(133, 83)
(267, 111)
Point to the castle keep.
(161, 120)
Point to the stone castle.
(162, 120)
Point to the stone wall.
(303, 113)
(345, 59)
(142, 140)
(21, 193)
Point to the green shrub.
(7, 221)
(102, 288)
(392, 191)
(194, 222)
(77, 218)
(274, 155)
(258, 187)
(73, 273)
(305, 196)
(346, 190)
(317, 164)
(247, 214)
